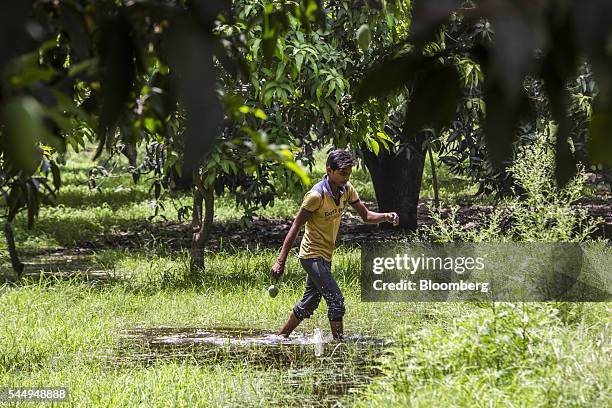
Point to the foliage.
(540, 211)
(510, 41)
(304, 86)
(502, 354)
(125, 74)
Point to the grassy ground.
(58, 332)
(83, 215)
(62, 333)
(70, 332)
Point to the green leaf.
(118, 72)
(25, 71)
(326, 113)
(279, 71)
(374, 145)
(274, 22)
(433, 102)
(301, 173)
(57, 178)
(260, 114)
(299, 59)
(388, 76)
(210, 179)
(33, 202)
(255, 47)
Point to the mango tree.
(131, 72)
(519, 40)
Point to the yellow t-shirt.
(322, 227)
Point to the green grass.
(505, 355)
(60, 332)
(57, 332)
(53, 331)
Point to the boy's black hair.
(340, 159)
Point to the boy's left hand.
(393, 218)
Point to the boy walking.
(321, 213)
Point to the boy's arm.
(299, 221)
(371, 217)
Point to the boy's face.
(339, 177)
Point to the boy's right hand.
(277, 269)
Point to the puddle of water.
(62, 265)
(316, 369)
(168, 336)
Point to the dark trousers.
(319, 283)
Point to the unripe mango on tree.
(364, 36)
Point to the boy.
(321, 212)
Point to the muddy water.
(310, 379)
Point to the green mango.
(273, 291)
(364, 36)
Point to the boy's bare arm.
(299, 221)
(371, 217)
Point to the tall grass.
(502, 355)
(510, 354)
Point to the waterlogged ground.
(314, 371)
(145, 335)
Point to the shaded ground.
(269, 233)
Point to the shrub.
(539, 211)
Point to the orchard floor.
(126, 328)
(109, 310)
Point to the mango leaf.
(298, 170)
(57, 177)
(433, 101)
(25, 71)
(117, 55)
(387, 76)
(73, 23)
(31, 192)
(274, 23)
(14, 39)
(374, 145)
(189, 49)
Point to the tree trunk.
(397, 180)
(196, 214)
(434, 178)
(201, 223)
(10, 243)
